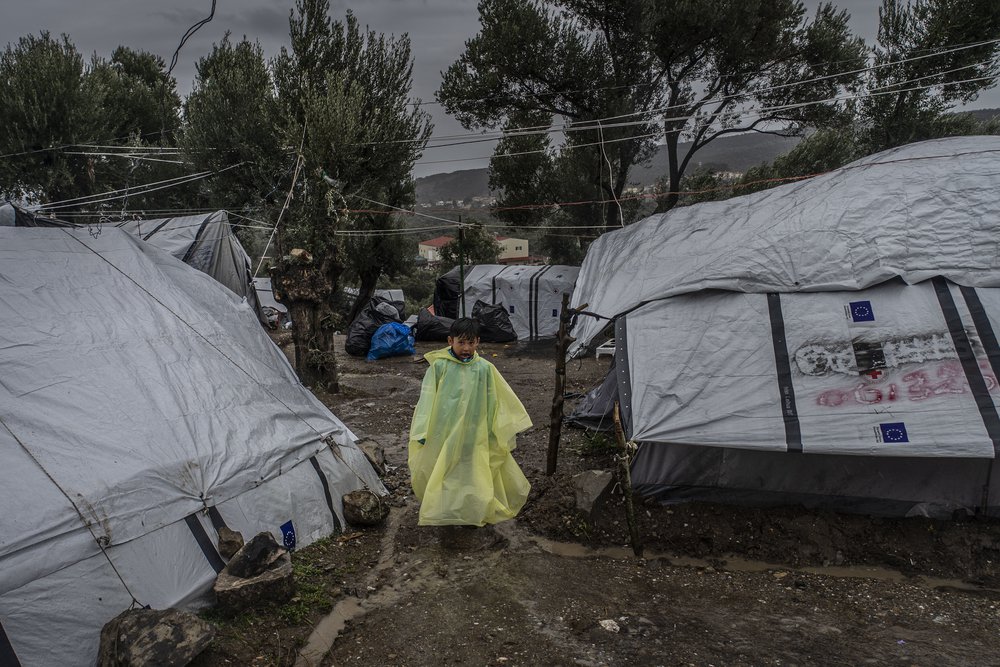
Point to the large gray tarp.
(914, 212)
(137, 394)
(206, 242)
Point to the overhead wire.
(531, 129)
(749, 114)
(112, 195)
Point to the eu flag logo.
(894, 432)
(861, 311)
(288, 535)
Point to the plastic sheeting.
(206, 242)
(467, 418)
(914, 212)
(145, 392)
(391, 340)
(870, 373)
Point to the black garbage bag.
(447, 292)
(494, 323)
(431, 327)
(359, 334)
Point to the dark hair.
(464, 327)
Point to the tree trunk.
(305, 290)
(672, 137)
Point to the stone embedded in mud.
(255, 556)
(259, 572)
(365, 508)
(147, 637)
(375, 454)
(591, 489)
(230, 542)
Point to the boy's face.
(463, 347)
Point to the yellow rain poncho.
(463, 431)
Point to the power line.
(140, 189)
(930, 52)
(748, 114)
(541, 129)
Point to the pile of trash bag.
(494, 323)
(379, 311)
(391, 340)
(431, 327)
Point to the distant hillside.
(463, 185)
(735, 153)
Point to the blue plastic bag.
(391, 340)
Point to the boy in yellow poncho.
(463, 431)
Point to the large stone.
(260, 572)
(592, 488)
(255, 556)
(153, 637)
(375, 454)
(365, 508)
(230, 542)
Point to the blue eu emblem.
(893, 432)
(861, 311)
(288, 534)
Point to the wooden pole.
(625, 477)
(563, 340)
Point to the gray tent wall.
(141, 408)
(793, 351)
(207, 243)
(532, 295)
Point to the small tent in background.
(531, 295)
(206, 242)
(830, 342)
(141, 408)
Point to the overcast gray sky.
(437, 29)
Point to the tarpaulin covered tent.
(206, 242)
(830, 342)
(531, 295)
(141, 409)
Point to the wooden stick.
(556, 417)
(625, 478)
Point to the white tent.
(532, 295)
(141, 408)
(206, 242)
(766, 343)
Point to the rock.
(148, 637)
(374, 453)
(610, 625)
(255, 556)
(260, 572)
(230, 541)
(365, 508)
(592, 488)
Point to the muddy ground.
(718, 585)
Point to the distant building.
(513, 251)
(431, 249)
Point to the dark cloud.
(262, 22)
